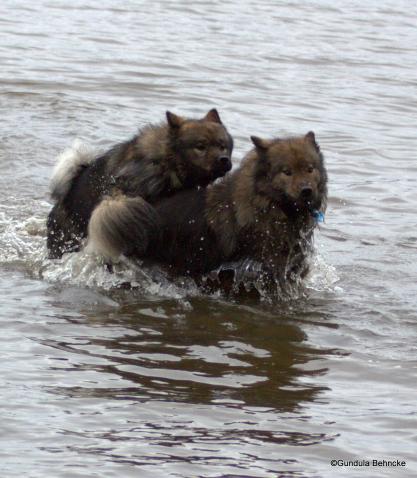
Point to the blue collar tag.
(318, 216)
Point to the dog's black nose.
(225, 162)
(306, 192)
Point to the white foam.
(322, 277)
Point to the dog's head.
(203, 147)
(291, 172)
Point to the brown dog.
(265, 211)
(108, 197)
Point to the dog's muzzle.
(223, 164)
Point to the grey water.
(163, 381)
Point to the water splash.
(322, 276)
(85, 269)
(22, 242)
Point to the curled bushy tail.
(69, 164)
(122, 225)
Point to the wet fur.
(255, 213)
(160, 160)
(130, 221)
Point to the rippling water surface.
(162, 381)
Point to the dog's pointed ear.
(213, 116)
(261, 144)
(311, 138)
(174, 120)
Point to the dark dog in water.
(265, 211)
(109, 197)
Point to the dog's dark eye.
(310, 169)
(287, 172)
(200, 146)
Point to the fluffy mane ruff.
(154, 142)
(69, 164)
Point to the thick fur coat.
(108, 197)
(264, 212)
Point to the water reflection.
(198, 353)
